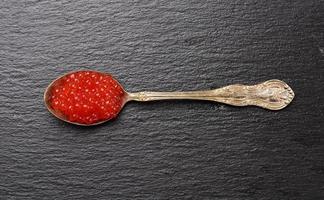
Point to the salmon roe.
(87, 97)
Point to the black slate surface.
(163, 150)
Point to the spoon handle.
(272, 94)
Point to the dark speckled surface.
(163, 150)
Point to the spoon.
(90, 97)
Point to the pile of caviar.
(87, 97)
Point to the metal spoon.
(272, 94)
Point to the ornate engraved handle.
(272, 94)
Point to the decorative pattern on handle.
(272, 95)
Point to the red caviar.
(87, 97)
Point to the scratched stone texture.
(163, 150)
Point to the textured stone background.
(163, 150)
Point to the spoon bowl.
(60, 115)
